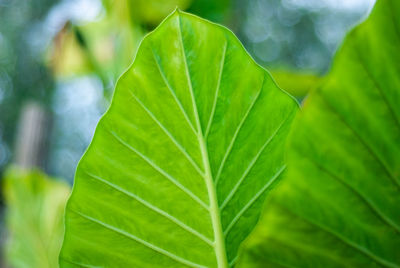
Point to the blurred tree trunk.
(31, 146)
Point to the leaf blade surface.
(192, 108)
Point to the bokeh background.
(59, 61)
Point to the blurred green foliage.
(152, 12)
(297, 83)
(23, 75)
(220, 11)
(107, 46)
(34, 218)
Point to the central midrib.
(219, 240)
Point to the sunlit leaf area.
(199, 133)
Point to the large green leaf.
(180, 164)
(340, 203)
(34, 218)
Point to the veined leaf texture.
(182, 161)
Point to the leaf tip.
(177, 11)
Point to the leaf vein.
(366, 145)
(154, 208)
(161, 171)
(139, 240)
(233, 261)
(222, 65)
(170, 136)
(173, 92)
(352, 244)
(251, 165)
(254, 199)
(378, 87)
(230, 146)
(219, 248)
(369, 203)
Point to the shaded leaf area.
(181, 163)
(297, 83)
(34, 218)
(339, 205)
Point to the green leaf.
(34, 218)
(180, 164)
(339, 205)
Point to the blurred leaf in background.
(66, 57)
(296, 83)
(154, 11)
(34, 218)
(220, 11)
(338, 205)
(104, 47)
